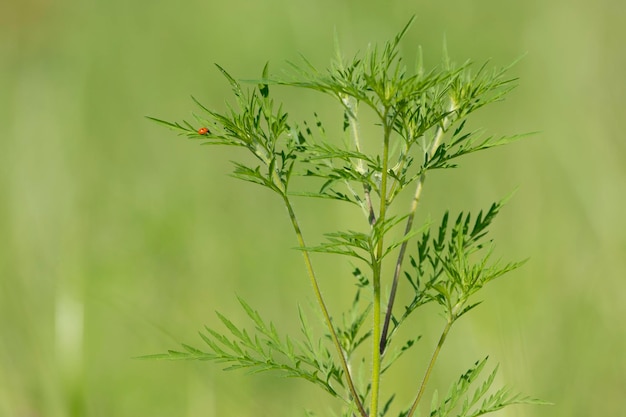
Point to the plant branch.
(322, 304)
(430, 367)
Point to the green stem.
(375, 351)
(322, 304)
(430, 367)
(377, 274)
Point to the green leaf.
(174, 126)
(234, 84)
(392, 356)
(351, 243)
(264, 88)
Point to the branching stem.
(322, 304)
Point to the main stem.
(430, 367)
(322, 304)
(377, 274)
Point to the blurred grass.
(118, 239)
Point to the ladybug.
(203, 131)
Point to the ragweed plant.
(420, 118)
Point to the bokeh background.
(119, 239)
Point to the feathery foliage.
(421, 119)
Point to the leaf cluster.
(256, 124)
(415, 105)
(265, 350)
(451, 263)
(480, 402)
(362, 245)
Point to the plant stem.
(376, 332)
(430, 367)
(396, 274)
(351, 106)
(441, 129)
(322, 304)
(378, 272)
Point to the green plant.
(421, 117)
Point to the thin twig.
(430, 367)
(322, 304)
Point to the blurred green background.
(119, 239)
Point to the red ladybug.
(203, 131)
